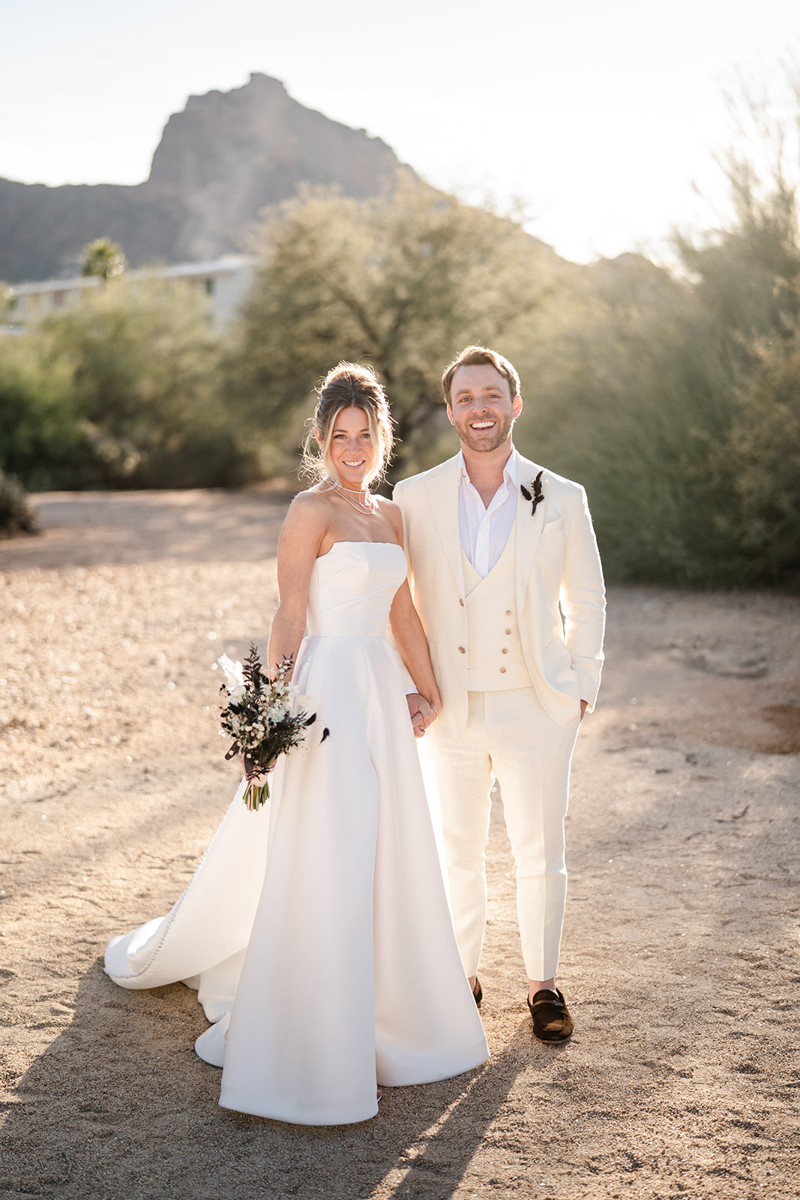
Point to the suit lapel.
(529, 528)
(443, 497)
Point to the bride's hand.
(421, 712)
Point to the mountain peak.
(220, 161)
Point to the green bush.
(618, 397)
(16, 514)
(123, 390)
(42, 440)
(142, 359)
(761, 456)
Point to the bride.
(316, 929)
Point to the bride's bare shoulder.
(313, 499)
(308, 513)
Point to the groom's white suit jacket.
(557, 563)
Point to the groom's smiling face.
(482, 408)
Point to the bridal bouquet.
(258, 716)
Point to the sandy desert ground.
(680, 949)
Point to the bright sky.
(598, 116)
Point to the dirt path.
(680, 949)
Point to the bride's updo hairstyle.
(349, 385)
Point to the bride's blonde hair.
(348, 385)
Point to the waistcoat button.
(508, 612)
(508, 631)
(461, 650)
(502, 670)
(461, 602)
(504, 651)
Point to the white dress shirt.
(485, 531)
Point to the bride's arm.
(410, 640)
(409, 636)
(298, 546)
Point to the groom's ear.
(450, 415)
(516, 405)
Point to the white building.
(225, 281)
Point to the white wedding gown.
(317, 929)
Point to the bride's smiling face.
(353, 453)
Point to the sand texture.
(680, 957)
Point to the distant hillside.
(221, 160)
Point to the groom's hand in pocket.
(421, 712)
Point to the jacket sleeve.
(583, 599)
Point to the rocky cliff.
(220, 161)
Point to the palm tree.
(103, 258)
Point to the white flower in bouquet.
(233, 672)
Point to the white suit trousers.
(508, 737)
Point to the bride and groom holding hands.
(317, 930)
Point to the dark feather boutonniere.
(537, 496)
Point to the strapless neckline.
(347, 542)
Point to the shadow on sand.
(119, 1105)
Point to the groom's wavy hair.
(480, 356)
(348, 385)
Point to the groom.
(508, 584)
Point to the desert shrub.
(120, 391)
(42, 440)
(142, 363)
(761, 458)
(16, 514)
(620, 396)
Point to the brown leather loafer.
(477, 991)
(551, 1020)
